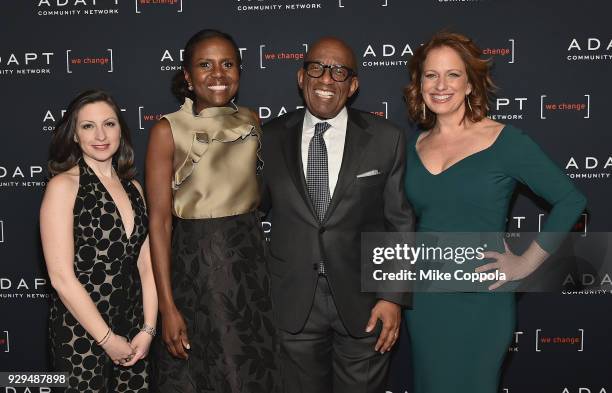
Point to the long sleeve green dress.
(459, 340)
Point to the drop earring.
(424, 112)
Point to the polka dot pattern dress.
(105, 264)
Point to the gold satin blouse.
(216, 159)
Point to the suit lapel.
(356, 139)
(292, 148)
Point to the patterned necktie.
(317, 175)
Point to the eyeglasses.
(339, 73)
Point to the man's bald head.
(335, 45)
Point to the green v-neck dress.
(459, 340)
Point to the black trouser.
(324, 358)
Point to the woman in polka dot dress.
(93, 226)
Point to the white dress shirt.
(334, 142)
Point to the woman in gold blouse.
(206, 240)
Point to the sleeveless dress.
(105, 264)
(220, 280)
(459, 340)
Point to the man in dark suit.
(331, 173)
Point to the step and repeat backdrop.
(552, 63)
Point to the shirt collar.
(338, 122)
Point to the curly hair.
(64, 152)
(478, 73)
(179, 88)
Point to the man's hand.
(389, 314)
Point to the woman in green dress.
(462, 170)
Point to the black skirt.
(221, 287)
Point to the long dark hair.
(64, 152)
(180, 88)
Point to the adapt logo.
(550, 106)
(276, 6)
(5, 344)
(78, 60)
(50, 118)
(22, 176)
(589, 167)
(268, 56)
(508, 108)
(26, 63)
(584, 390)
(386, 54)
(32, 287)
(77, 7)
(573, 341)
(589, 49)
(146, 5)
(599, 282)
(266, 112)
(172, 59)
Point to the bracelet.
(148, 329)
(105, 338)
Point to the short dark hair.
(64, 152)
(179, 85)
(478, 72)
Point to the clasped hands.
(126, 353)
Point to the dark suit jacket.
(366, 204)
